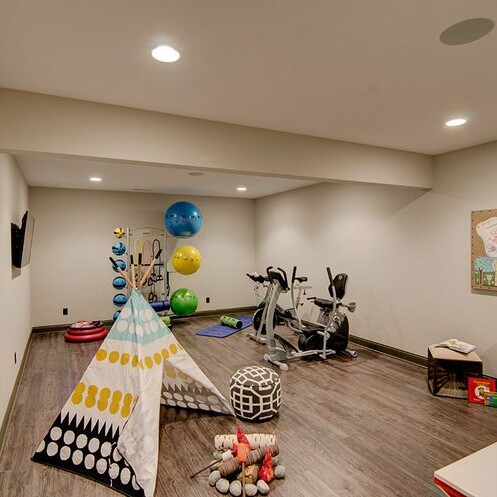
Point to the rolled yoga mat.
(232, 322)
(161, 305)
(223, 331)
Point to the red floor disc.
(82, 332)
(88, 337)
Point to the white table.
(472, 476)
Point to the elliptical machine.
(315, 340)
(281, 316)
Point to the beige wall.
(39, 123)
(407, 252)
(70, 266)
(14, 284)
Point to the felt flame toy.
(266, 472)
(242, 439)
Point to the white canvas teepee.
(108, 430)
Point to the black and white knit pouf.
(255, 393)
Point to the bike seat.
(301, 279)
(324, 304)
(311, 329)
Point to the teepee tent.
(108, 430)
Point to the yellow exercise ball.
(186, 259)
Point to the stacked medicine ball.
(184, 220)
(119, 283)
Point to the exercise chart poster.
(484, 250)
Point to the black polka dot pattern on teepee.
(92, 453)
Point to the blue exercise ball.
(116, 315)
(121, 264)
(119, 283)
(183, 219)
(120, 299)
(118, 248)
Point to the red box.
(476, 388)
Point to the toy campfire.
(244, 465)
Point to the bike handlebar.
(257, 278)
(280, 275)
(283, 272)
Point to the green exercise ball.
(183, 301)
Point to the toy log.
(254, 456)
(256, 440)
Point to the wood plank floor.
(361, 428)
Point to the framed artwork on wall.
(484, 250)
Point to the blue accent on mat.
(223, 331)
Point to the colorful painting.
(484, 249)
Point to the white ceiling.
(358, 70)
(75, 173)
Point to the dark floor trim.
(109, 322)
(50, 328)
(386, 349)
(13, 395)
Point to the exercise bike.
(281, 316)
(315, 340)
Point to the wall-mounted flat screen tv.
(22, 240)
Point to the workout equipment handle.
(283, 272)
(333, 290)
(256, 278)
(279, 275)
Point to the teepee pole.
(133, 277)
(140, 269)
(151, 267)
(121, 272)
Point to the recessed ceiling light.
(467, 31)
(242, 188)
(459, 121)
(163, 53)
(196, 173)
(95, 179)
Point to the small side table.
(448, 371)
